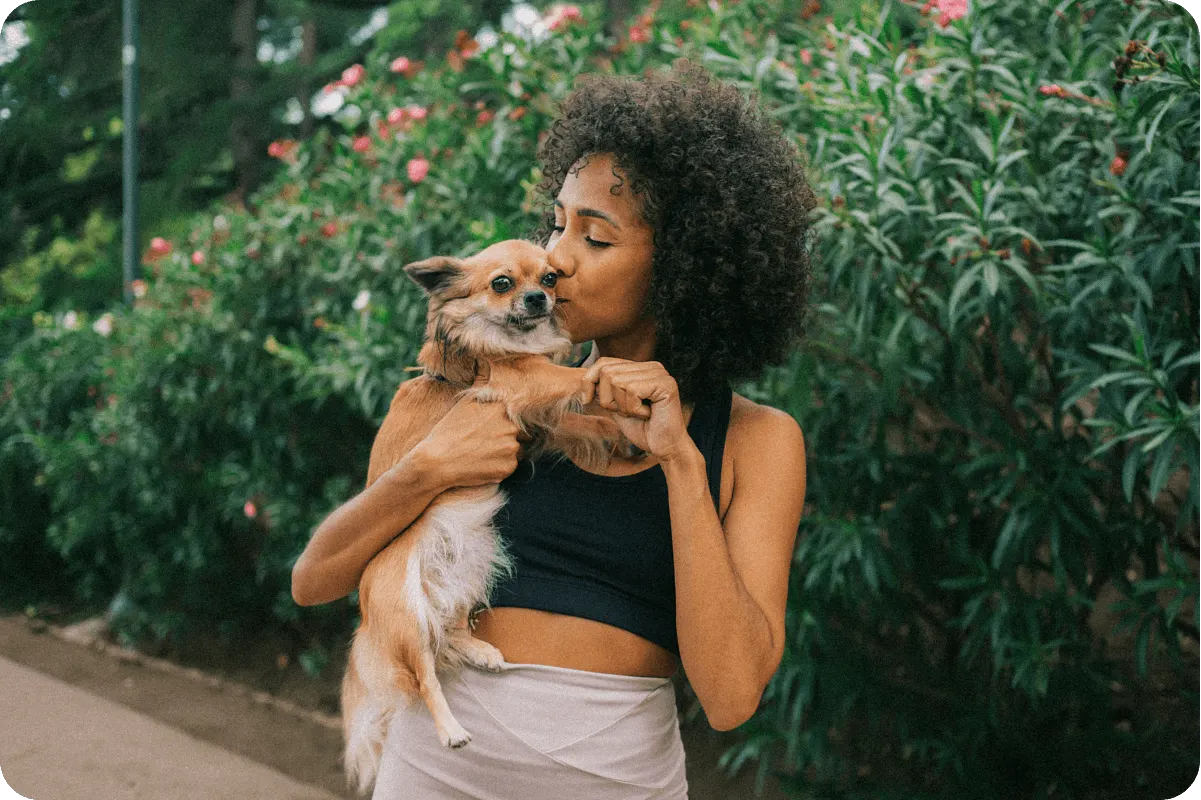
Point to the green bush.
(996, 585)
(996, 578)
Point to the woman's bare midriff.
(532, 636)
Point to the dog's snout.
(535, 302)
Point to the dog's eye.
(550, 279)
(501, 284)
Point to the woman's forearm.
(345, 542)
(725, 639)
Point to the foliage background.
(994, 590)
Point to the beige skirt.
(539, 732)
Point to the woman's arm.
(474, 444)
(345, 542)
(732, 582)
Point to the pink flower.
(951, 11)
(559, 15)
(249, 509)
(806, 57)
(416, 112)
(396, 116)
(418, 168)
(159, 246)
(639, 34)
(401, 64)
(284, 149)
(1118, 166)
(352, 75)
(197, 258)
(361, 144)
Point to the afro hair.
(726, 195)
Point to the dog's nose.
(535, 302)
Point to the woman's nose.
(559, 261)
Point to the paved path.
(58, 742)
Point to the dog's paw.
(488, 657)
(454, 737)
(479, 653)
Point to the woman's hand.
(474, 444)
(618, 385)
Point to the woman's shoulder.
(762, 432)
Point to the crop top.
(599, 546)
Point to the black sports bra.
(598, 546)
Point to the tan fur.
(415, 594)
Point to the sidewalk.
(81, 722)
(58, 742)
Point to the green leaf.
(1129, 471)
(991, 277)
(965, 282)
(1184, 361)
(1116, 353)
(1155, 125)
(1142, 645)
(1151, 445)
(1008, 532)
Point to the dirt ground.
(250, 699)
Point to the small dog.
(496, 307)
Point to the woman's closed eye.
(559, 229)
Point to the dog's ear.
(435, 273)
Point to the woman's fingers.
(620, 385)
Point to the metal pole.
(129, 140)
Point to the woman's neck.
(634, 345)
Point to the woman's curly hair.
(726, 195)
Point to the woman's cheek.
(574, 322)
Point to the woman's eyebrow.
(591, 212)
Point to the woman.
(678, 231)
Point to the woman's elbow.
(302, 591)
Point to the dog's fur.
(416, 594)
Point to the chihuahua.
(497, 310)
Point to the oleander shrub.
(182, 451)
(994, 588)
(996, 582)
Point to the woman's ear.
(434, 274)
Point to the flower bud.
(352, 75)
(417, 169)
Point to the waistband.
(579, 678)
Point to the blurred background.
(995, 582)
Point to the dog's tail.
(372, 690)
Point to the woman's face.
(602, 250)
